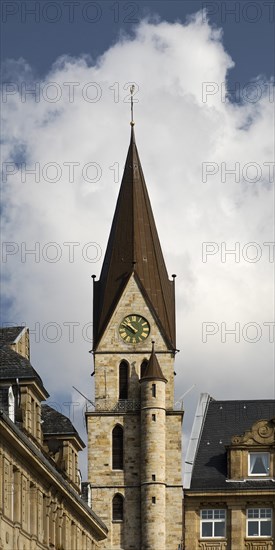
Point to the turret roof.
(153, 370)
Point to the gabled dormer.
(252, 454)
(62, 443)
(18, 338)
(21, 387)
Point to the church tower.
(134, 433)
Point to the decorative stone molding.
(258, 545)
(212, 545)
(123, 405)
(261, 433)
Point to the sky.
(204, 124)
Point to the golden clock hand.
(130, 326)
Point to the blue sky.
(189, 138)
(92, 27)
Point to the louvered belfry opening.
(117, 448)
(123, 380)
(118, 507)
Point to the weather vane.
(132, 89)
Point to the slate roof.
(13, 365)
(55, 423)
(4, 399)
(223, 420)
(134, 247)
(9, 334)
(153, 370)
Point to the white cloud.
(177, 133)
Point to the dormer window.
(258, 464)
(11, 400)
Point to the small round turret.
(153, 439)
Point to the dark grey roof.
(55, 423)
(134, 247)
(13, 365)
(9, 334)
(223, 420)
(85, 490)
(4, 399)
(153, 370)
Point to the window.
(259, 522)
(123, 380)
(118, 507)
(213, 523)
(117, 448)
(258, 464)
(11, 401)
(154, 390)
(154, 417)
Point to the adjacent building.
(229, 496)
(40, 490)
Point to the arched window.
(117, 447)
(11, 404)
(143, 367)
(123, 380)
(118, 507)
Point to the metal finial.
(132, 89)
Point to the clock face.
(134, 329)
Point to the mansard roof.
(220, 423)
(9, 335)
(55, 424)
(14, 366)
(134, 248)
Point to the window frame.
(123, 380)
(114, 456)
(260, 453)
(120, 497)
(259, 520)
(213, 521)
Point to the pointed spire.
(153, 370)
(134, 247)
